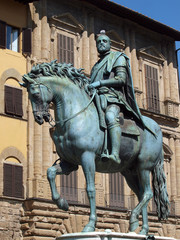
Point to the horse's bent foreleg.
(88, 165)
(62, 168)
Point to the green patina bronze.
(135, 142)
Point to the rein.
(73, 116)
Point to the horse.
(79, 141)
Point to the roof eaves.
(136, 17)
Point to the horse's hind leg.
(59, 169)
(134, 183)
(88, 165)
(146, 195)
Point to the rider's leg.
(112, 120)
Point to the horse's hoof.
(134, 226)
(62, 204)
(89, 227)
(144, 231)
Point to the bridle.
(51, 120)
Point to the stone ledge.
(108, 235)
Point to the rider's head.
(103, 43)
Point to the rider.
(112, 77)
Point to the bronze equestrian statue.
(135, 141)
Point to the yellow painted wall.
(13, 131)
(13, 13)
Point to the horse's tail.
(160, 189)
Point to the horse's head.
(40, 96)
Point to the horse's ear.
(27, 80)
(23, 84)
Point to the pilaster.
(173, 168)
(134, 66)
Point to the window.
(10, 38)
(116, 190)
(152, 89)
(13, 180)
(65, 49)
(13, 101)
(68, 186)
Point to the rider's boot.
(115, 138)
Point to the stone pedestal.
(108, 235)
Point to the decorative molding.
(66, 21)
(151, 53)
(167, 152)
(161, 119)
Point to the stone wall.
(10, 215)
(43, 221)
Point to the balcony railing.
(153, 105)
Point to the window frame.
(11, 37)
(26, 47)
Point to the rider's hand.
(94, 85)
(90, 86)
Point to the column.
(173, 168)
(166, 74)
(171, 73)
(177, 149)
(134, 66)
(45, 33)
(36, 39)
(92, 43)
(85, 47)
(127, 43)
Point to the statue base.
(110, 235)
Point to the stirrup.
(105, 155)
(114, 158)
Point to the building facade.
(65, 30)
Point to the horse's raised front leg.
(59, 169)
(142, 206)
(88, 165)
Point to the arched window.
(13, 178)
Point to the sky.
(164, 11)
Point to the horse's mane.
(59, 69)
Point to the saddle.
(129, 127)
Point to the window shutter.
(152, 89)
(18, 180)
(9, 104)
(27, 40)
(13, 181)
(65, 49)
(8, 176)
(2, 34)
(18, 102)
(13, 101)
(68, 186)
(116, 190)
